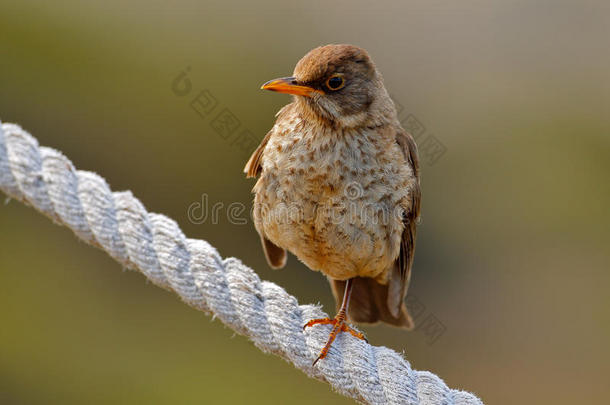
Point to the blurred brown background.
(512, 254)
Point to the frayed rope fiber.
(153, 244)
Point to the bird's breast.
(332, 198)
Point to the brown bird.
(339, 187)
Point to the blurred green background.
(512, 254)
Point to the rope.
(153, 244)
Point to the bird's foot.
(339, 325)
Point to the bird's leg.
(338, 323)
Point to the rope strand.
(153, 244)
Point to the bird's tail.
(369, 303)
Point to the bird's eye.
(335, 82)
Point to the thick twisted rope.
(154, 245)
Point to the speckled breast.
(335, 200)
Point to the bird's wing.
(276, 256)
(253, 167)
(402, 266)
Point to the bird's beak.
(289, 85)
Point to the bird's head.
(340, 85)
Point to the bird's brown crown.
(321, 62)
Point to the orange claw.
(321, 321)
(339, 325)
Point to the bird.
(338, 186)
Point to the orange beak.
(289, 85)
